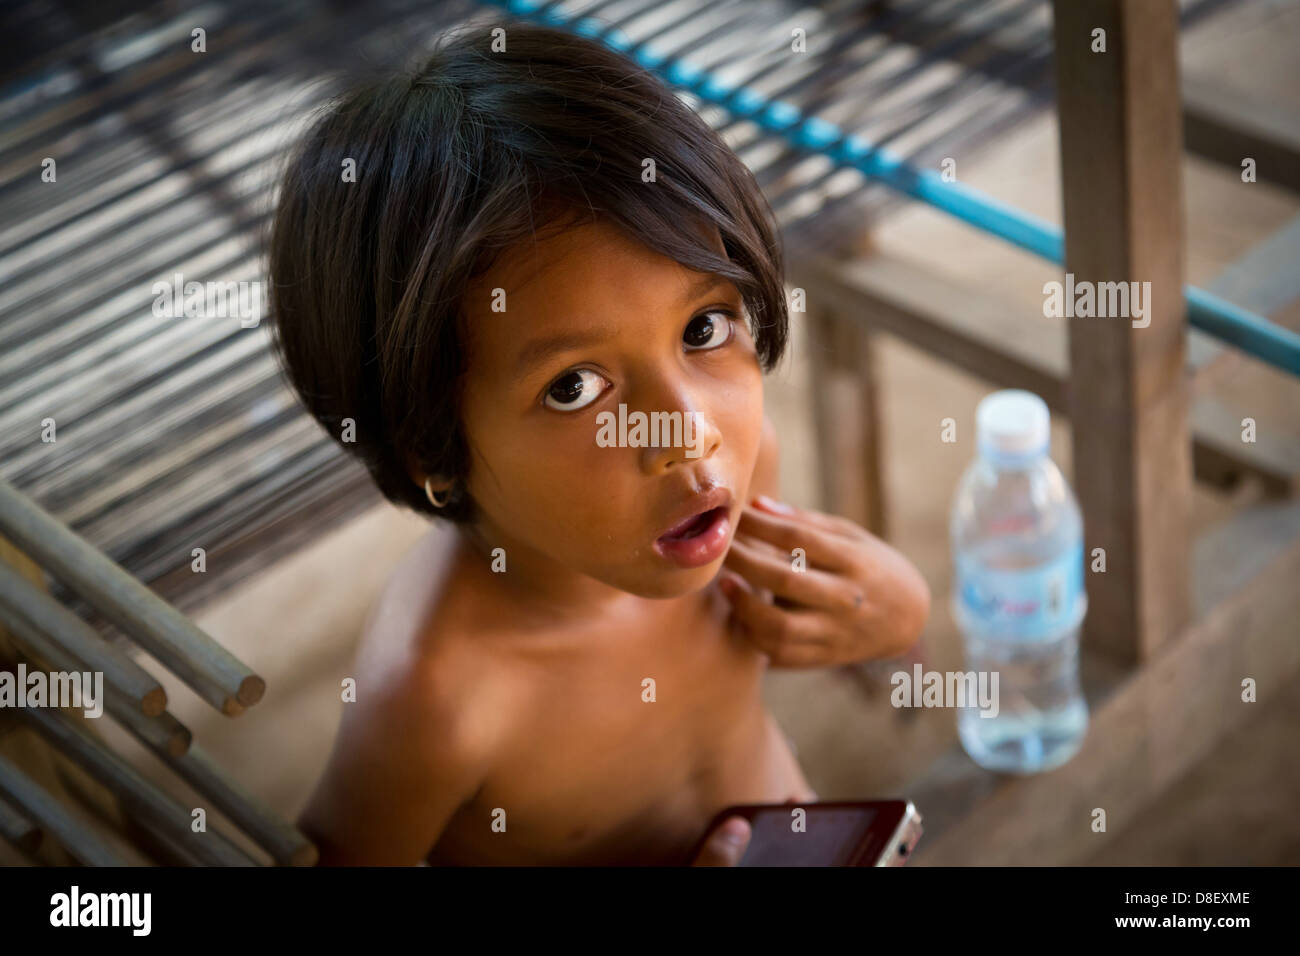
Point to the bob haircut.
(456, 161)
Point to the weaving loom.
(175, 433)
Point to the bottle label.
(1036, 603)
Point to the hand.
(726, 844)
(855, 599)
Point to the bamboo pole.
(140, 798)
(286, 844)
(212, 671)
(31, 610)
(172, 741)
(75, 836)
(160, 732)
(19, 831)
(158, 845)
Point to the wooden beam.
(1160, 721)
(981, 333)
(1226, 127)
(1121, 163)
(846, 414)
(1264, 281)
(961, 324)
(1219, 427)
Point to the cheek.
(544, 476)
(740, 414)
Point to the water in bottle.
(1018, 595)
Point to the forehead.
(583, 268)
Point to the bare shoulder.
(418, 733)
(418, 648)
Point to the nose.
(678, 435)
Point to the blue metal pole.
(1239, 327)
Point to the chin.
(672, 582)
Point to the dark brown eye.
(707, 331)
(576, 389)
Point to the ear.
(418, 476)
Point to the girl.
(562, 671)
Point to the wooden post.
(846, 409)
(1121, 155)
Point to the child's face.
(628, 327)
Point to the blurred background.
(177, 433)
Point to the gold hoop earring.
(433, 498)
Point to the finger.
(764, 547)
(832, 523)
(820, 547)
(811, 588)
(799, 636)
(725, 845)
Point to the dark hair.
(454, 162)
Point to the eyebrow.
(542, 348)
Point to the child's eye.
(574, 390)
(708, 331)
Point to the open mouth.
(697, 541)
(693, 527)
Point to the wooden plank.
(979, 332)
(1121, 160)
(964, 325)
(1264, 281)
(1219, 446)
(847, 419)
(1159, 722)
(1227, 126)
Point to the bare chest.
(623, 754)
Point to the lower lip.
(704, 548)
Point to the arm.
(404, 760)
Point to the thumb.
(726, 844)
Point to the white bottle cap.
(1012, 425)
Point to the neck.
(537, 583)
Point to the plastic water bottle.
(1018, 595)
